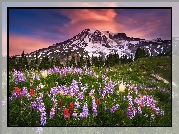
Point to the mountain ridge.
(101, 43)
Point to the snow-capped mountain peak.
(101, 42)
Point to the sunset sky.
(32, 29)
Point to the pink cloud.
(17, 44)
(90, 18)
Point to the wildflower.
(43, 118)
(65, 111)
(121, 87)
(52, 113)
(139, 110)
(34, 105)
(61, 92)
(60, 103)
(77, 105)
(41, 86)
(66, 114)
(114, 108)
(10, 98)
(152, 117)
(94, 106)
(84, 114)
(81, 95)
(18, 90)
(39, 99)
(71, 107)
(32, 92)
(98, 102)
(44, 74)
(24, 91)
(29, 97)
(152, 107)
(37, 77)
(74, 114)
(162, 113)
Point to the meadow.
(134, 94)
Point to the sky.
(33, 29)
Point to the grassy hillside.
(141, 100)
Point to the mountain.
(100, 42)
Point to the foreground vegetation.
(133, 94)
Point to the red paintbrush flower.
(140, 105)
(18, 90)
(152, 107)
(60, 103)
(97, 102)
(32, 92)
(66, 114)
(65, 111)
(71, 107)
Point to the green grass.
(139, 76)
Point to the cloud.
(89, 18)
(17, 44)
(147, 24)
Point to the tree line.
(22, 63)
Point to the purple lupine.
(24, 91)
(37, 77)
(15, 95)
(43, 118)
(52, 113)
(136, 100)
(114, 108)
(29, 97)
(37, 88)
(74, 114)
(42, 109)
(152, 117)
(131, 112)
(92, 91)
(39, 99)
(84, 113)
(10, 98)
(54, 90)
(56, 69)
(94, 107)
(21, 78)
(77, 105)
(81, 95)
(34, 105)
(157, 110)
(162, 113)
(139, 110)
(135, 89)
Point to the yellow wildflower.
(44, 74)
(121, 87)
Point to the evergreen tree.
(52, 63)
(45, 64)
(72, 62)
(140, 53)
(88, 62)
